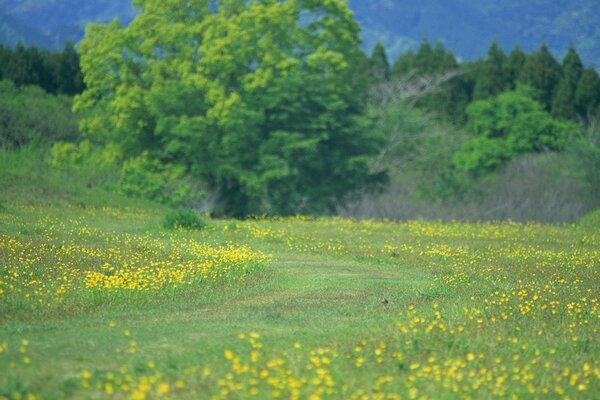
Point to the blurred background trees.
(273, 108)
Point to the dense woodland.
(170, 114)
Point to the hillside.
(465, 27)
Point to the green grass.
(479, 310)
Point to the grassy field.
(97, 300)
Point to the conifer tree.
(563, 104)
(5, 53)
(491, 77)
(422, 62)
(22, 68)
(514, 64)
(542, 72)
(404, 65)
(68, 76)
(587, 94)
(378, 66)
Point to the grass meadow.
(98, 300)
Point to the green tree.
(563, 105)
(542, 72)
(404, 64)
(422, 62)
(506, 126)
(5, 54)
(23, 66)
(378, 66)
(65, 69)
(492, 78)
(259, 100)
(587, 94)
(514, 64)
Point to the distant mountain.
(465, 26)
(468, 26)
(53, 22)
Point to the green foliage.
(28, 114)
(585, 153)
(378, 66)
(183, 218)
(492, 77)
(258, 100)
(68, 156)
(563, 104)
(147, 178)
(57, 72)
(587, 94)
(514, 64)
(506, 126)
(542, 72)
(590, 220)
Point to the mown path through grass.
(315, 300)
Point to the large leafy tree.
(258, 100)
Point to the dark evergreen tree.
(46, 74)
(587, 94)
(492, 78)
(68, 76)
(22, 68)
(422, 62)
(563, 104)
(404, 65)
(542, 72)
(378, 66)
(514, 64)
(5, 53)
(437, 59)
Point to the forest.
(169, 114)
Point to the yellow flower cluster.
(63, 260)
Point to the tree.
(5, 54)
(506, 126)
(67, 74)
(378, 66)
(23, 66)
(542, 72)
(404, 64)
(563, 104)
(259, 100)
(491, 76)
(587, 94)
(514, 64)
(422, 61)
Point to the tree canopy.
(260, 101)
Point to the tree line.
(565, 89)
(57, 72)
(267, 107)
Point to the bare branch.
(409, 88)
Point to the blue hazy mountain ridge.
(465, 26)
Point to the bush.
(28, 114)
(183, 219)
(150, 179)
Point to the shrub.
(148, 178)
(28, 114)
(183, 219)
